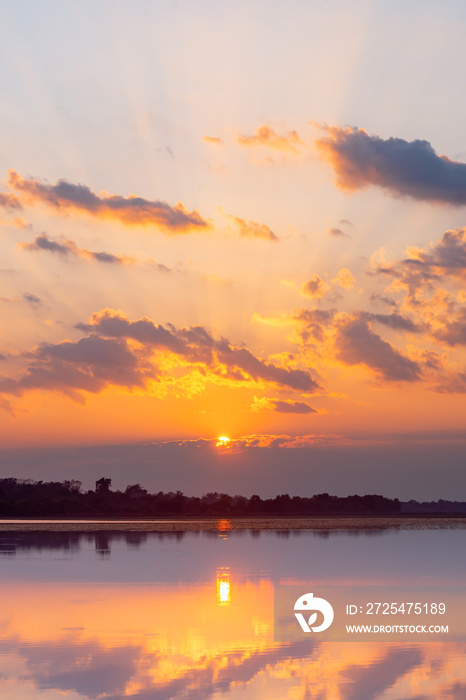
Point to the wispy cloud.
(281, 406)
(68, 248)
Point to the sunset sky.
(239, 219)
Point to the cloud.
(90, 364)
(404, 168)
(32, 300)
(356, 343)
(27, 298)
(281, 406)
(122, 353)
(87, 668)
(454, 383)
(344, 278)
(213, 139)
(315, 323)
(423, 268)
(365, 682)
(395, 321)
(251, 229)
(68, 248)
(386, 301)
(9, 201)
(266, 136)
(314, 288)
(197, 345)
(447, 256)
(453, 332)
(129, 211)
(336, 232)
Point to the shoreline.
(226, 525)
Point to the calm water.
(174, 611)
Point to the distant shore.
(225, 525)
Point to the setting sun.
(222, 441)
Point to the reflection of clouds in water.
(86, 667)
(320, 671)
(369, 682)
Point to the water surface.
(183, 611)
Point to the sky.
(234, 219)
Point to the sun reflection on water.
(223, 586)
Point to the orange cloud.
(252, 229)
(9, 201)
(315, 288)
(213, 139)
(266, 136)
(117, 352)
(344, 278)
(129, 211)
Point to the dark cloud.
(292, 407)
(114, 325)
(32, 300)
(448, 256)
(336, 232)
(315, 322)
(454, 332)
(404, 168)
(356, 343)
(43, 242)
(197, 345)
(89, 365)
(423, 268)
(457, 691)
(257, 369)
(106, 357)
(393, 320)
(386, 301)
(129, 211)
(454, 383)
(68, 248)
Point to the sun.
(222, 441)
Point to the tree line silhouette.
(29, 498)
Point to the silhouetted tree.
(103, 485)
